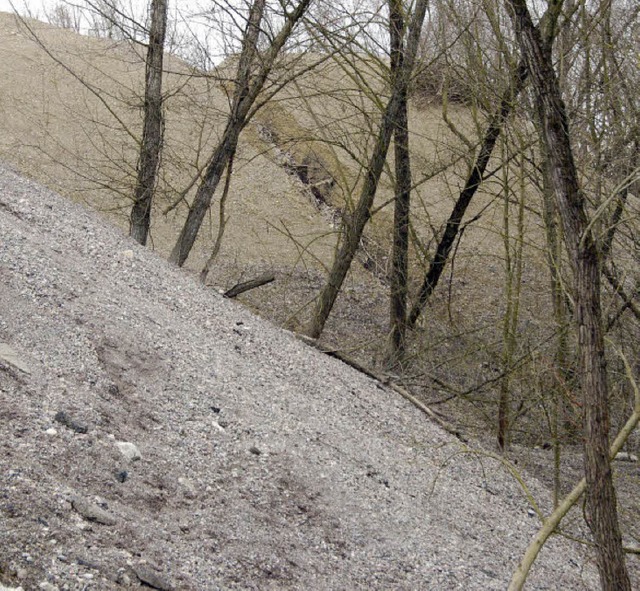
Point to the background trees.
(457, 268)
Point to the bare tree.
(250, 80)
(445, 244)
(151, 147)
(583, 253)
(355, 224)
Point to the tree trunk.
(402, 203)
(454, 222)
(601, 507)
(560, 315)
(354, 226)
(240, 106)
(140, 218)
(247, 90)
(205, 191)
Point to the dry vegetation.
(297, 172)
(58, 130)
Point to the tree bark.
(151, 148)
(355, 224)
(601, 507)
(474, 180)
(402, 202)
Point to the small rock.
(92, 512)
(51, 432)
(129, 450)
(8, 355)
(623, 456)
(47, 586)
(255, 451)
(127, 254)
(123, 579)
(188, 488)
(64, 419)
(122, 476)
(152, 578)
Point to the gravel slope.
(265, 464)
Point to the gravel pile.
(155, 435)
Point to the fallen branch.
(239, 288)
(383, 380)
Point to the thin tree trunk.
(513, 288)
(240, 106)
(355, 224)
(560, 312)
(222, 223)
(205, 192)
(247, 90)
(454, 222)
(140, 218)
(402, 203)
(601, 507)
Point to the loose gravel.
(156, 435)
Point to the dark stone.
(64, 419)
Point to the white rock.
(8, 355)
(129, 450)
(623, 456)
(127, 254)
(188, 488)
(51, 432)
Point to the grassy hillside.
(70, 117)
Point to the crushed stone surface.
(259, 462)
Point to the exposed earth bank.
(153, 433)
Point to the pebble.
(152, 578)
(8, 355)
(92, 512)
(624, 456)
(129, 450)
(188, 488)
(64, 419)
